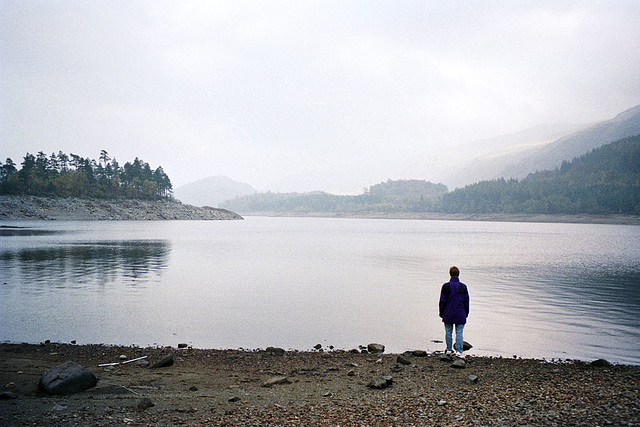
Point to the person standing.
(454, 310)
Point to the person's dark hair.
(454, 271)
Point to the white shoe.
(459, 355)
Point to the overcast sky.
(263, 90)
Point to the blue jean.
(448, 329)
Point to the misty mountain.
(211, 191)
(486, 159)
(547, 156)
(604, 181)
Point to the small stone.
(183, 345)
(164, 362)
(397, 368)
(145, 403)
(403, 360)
(442, 402)
(317, 346)
(234, 399)
(275, 351)
(193, 388)
(123, 357)
(472, 379)
(447, 357)
(459, 363)
(419, 353)
(351, 373)
(600, 362)
(327, 394)
(10, 385)
(276, 380)
(375, 348)
(380, 382)
(428, 369)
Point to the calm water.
(537, 290)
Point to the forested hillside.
(604, 181)
(390, 196)
(71, 175)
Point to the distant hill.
(540, 148)
(390, 196)
(211, 191)
(551, 156)
(486, 159)
(603, 181)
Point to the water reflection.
(85, 264)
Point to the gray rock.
(402, 359)
(164, 362)
(428, 369)
(276, 380)
(375, 348)
(145, 403)
(472, 379)
(459, 363)
(446, 357)
(275, 351)
(442, 402)
(234, 399)
(419, 353)
(68, 378)
(601, 362)
(183, 345)
(397, 368)
(380, 382)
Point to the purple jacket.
(454, 302)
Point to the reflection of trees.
(90, 262)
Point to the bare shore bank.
(327, 388)
(67, 208)
(495, 217)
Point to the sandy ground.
(227, 387)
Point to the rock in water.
(67, 378)
(164, 362)
(601, 362)
(275, 351)
(375, 348)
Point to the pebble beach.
(308, 388)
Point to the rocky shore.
(274, 387)
(60, 208)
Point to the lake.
(568, 291)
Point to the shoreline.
(498, 217)
(232, 387)
(21, 208)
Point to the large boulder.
(68, 378)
